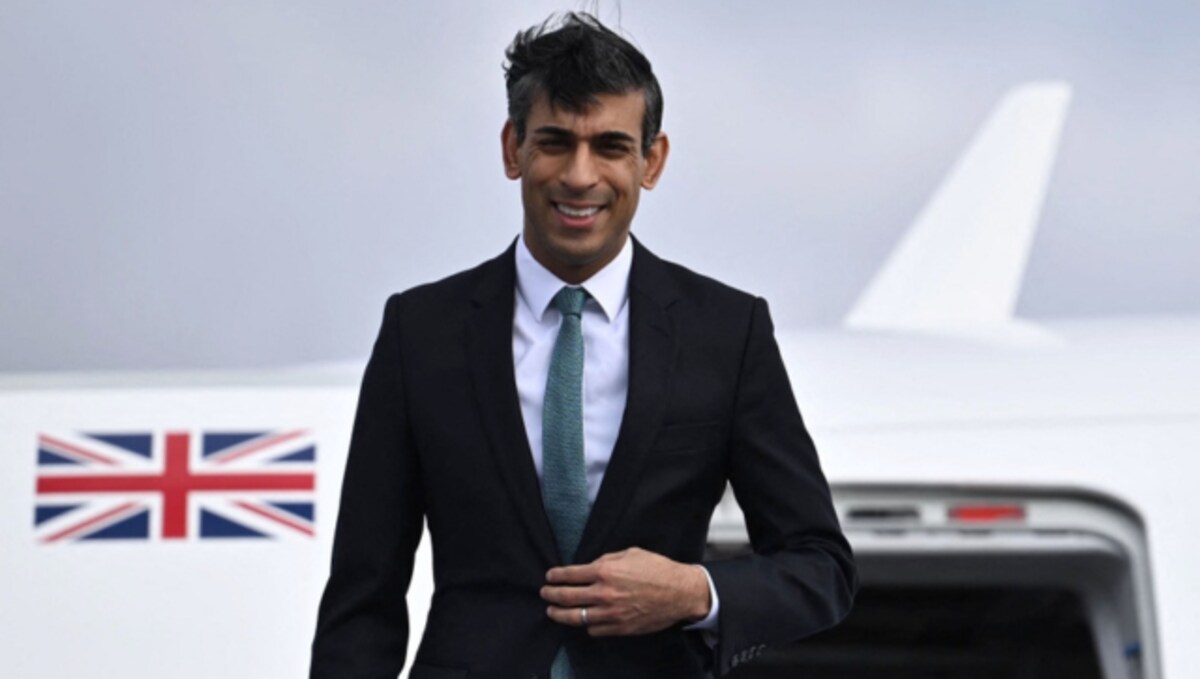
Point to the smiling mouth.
(577, 212)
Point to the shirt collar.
(608, 287)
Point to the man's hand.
(625, 593)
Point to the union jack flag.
(162, 485)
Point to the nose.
(579, 173)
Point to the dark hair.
(571, 59)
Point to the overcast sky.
(231, 184)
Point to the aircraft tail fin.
(960, 265)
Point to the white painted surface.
(152, 608)
(962, 262)
(1114, 409)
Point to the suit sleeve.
(800, 578)
(362, 624)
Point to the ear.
(656, 160)
(509, 146)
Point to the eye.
(552, 144)
(613, 148)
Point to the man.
(565, 417)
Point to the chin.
(575, 247)
(576, 258)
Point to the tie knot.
(569, 301)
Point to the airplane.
(1018, 494)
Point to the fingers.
(584, 574)
(571, 597)
(567, 604)
(630, 592)
(573, 617)
(601, 621)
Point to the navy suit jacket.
(439, 436)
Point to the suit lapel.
(489, 347)
(652, 352)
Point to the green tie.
(564, 476)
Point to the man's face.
(581, 175)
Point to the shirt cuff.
(709, 623)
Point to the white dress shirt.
(605, 329)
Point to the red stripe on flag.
(74, 450)
(67, 532)
(238, 453)
(275, 517)
(175, 487)
(134, 483)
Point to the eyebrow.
(609, 136)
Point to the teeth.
(576, 212)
